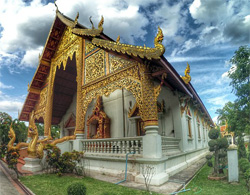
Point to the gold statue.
(158, 40)
(187, 77)
(12, 136)
(33, 150)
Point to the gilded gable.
(94, 66)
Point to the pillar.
(152, 147)
(49, 105)
(233, 167)
(79, 131)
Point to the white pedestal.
(233, 167)
(77, 145)
(32, 164)
(152, 143)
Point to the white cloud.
(218, 101)
(215, 119)
(11, 104)
(219, 22)
(192, 59)
(31, 57)
(3, 86)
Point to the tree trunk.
(216, 162)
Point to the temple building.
(111, 99)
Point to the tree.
(237, 113)
(5, 121)
(19, 127)
(218, 146)
(240, 75)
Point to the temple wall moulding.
(98, 124)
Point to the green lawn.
(52, 184)
(202, 185)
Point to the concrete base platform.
(32, 164)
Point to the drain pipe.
(126, 168)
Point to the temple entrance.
(65, 87)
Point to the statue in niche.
(98, 124)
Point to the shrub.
(213, 134)
(247, 178)
(3, 150)
(212, 143)
(65, 163)
(12, 160)
(210, 163)
(242, 153)
(208, 157)
(217, 146)
(76, 188)
(241, 161)
(244, 166)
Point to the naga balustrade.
(113, 145)
(170, 144)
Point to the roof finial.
(158, 41)
(76, 19)
(91, 22)
(101, 24)
(118, 39)
(56, 5)
(187, 77)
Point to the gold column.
(79, 64)
(49, 105)
(149, 113)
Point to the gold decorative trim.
(143, 52)
(90, 32)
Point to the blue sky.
(203, 32)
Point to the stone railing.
(170, 145)
(113, 145)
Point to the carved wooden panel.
(94, 66)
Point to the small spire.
(118, 39)
(76, 19)
(56, 5)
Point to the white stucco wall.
(170, 119)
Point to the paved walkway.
(6, 185)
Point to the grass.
(52, 184)
(202, 185)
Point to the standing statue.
(12, 136)
(34, 152)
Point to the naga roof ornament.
(143, 52)
(90, 32)
(187, 77)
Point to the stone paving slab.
(6, 186)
